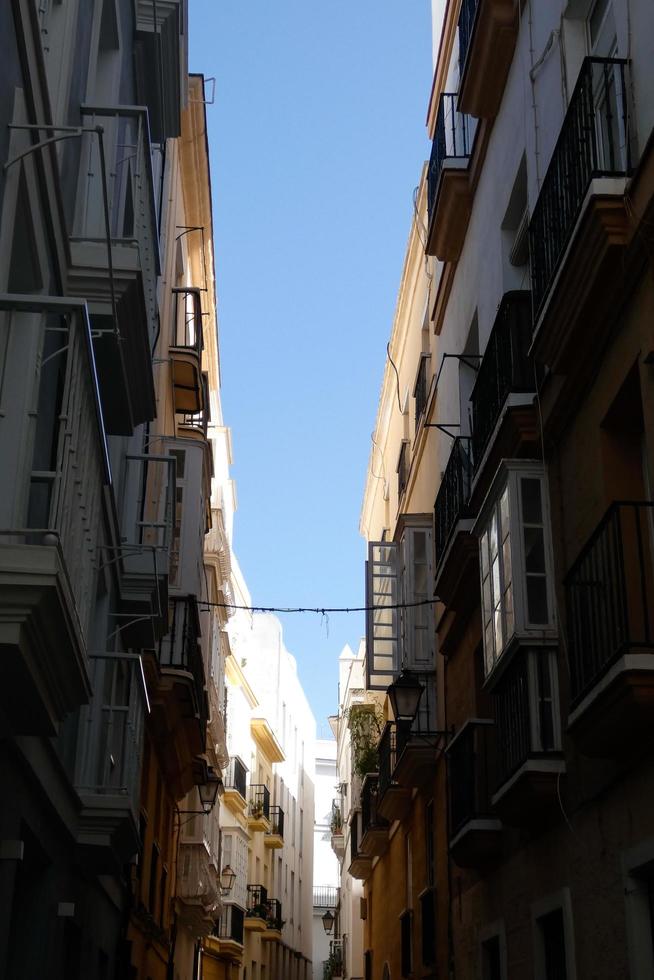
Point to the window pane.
(532, 510)
(504, 513)
(498, 630)
(496, 582)
(488, 648)
(486, 599)
(537, 599)
(493, 536)
(534, 549)
(508, 612)
(506, 561)
(484, 554)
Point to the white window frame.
(508, 477)
(557, 900)
(410, 625)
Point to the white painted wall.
(325, 864)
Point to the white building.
(326, 870)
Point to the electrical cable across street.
(320, 610)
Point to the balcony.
(455, 547)
(325, 896)
(336, 830)
(178, 697)
(337, 958)
(195, 425)
(488, 30)
(235, 796)
(579, 223)
(393, 800)
(529, 762)
(475, 833)
(193, 469)
(417, 743)
(56, 466)
(145, 501)
(108, 765)
(374, 840)
(449, 197)
(124, 357)
(502, 397)
(198, 889)
(360, 864)
(610, 614)
(274, 837)
(257, 912)
(161, 67)
(274, 921)
(259, 808)
(186, 352)
(227, 939)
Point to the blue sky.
(317, 138)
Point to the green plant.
(260, 911)
(332, 967)
(365, 722)
(336, 820)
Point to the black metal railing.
(610, 594)
(402, 470)
(187, 312)
(354, 835)
(420, 392)
(387, 758)
(370, 819)
(512, 718)
(469, 764)
(467, 16)
(593, 142)
(180, 649)
(274, 914)
(276, 821)
(453, 493)
(336, 956)
(230, 924)
(452, 140)
(336, 818)
(257, 901)
(259, 805)
(325, 896)
(200, 420)
(237, 776)
(505, 368)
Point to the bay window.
(515, 560)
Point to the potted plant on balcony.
(365, 722)
(256, 809)
(260, 911)
(336, 821)
(332, 967)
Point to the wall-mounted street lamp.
(227, 879)
(328, 922)
(404, 695)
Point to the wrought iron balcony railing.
(237, 776)
(593, 142)
(276, 821)
(453, 493)
(187, 313)
(387, 758)
(467, 16)
(180, 650)
(470, 774)
(370, 819)
(452, 140)
(610, 594)
(420, 391)
(259, 805)
(199, 421)
(274, 914)
(505, 368)
(257, 901)
(325, 896)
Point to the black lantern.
(404, 695)
(209, 789)
(328, 922)
(227, 879)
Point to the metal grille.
(259, 801)
(451, 141)
(369, 796)
(610, 594)
(276, 821)
(512, 719)
(453, 493)
(593, 142)
(387, 758)
(468, 775)
(236, 776)
(505, 368)
(467, 16)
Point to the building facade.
(267, 812)
(509, 824)
(114, 475)
(325, 864)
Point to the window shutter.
(382, 620)
(418, 625)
